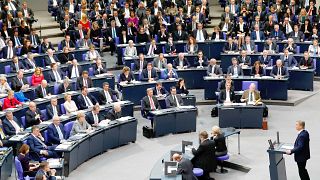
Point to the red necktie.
(152, 103)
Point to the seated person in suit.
(181, 62)
(150, 74)
(204, 156)
(92, 54)
(29, 62)
(46, 45)
(201, 60)
(130, 50)
(230, 45)
(29, 169)
(55, 75)
(271, 46)
(159, 90)
(149, 103)
(56, 134)
(181, 87)
(170, 72)
(217, 34)
(251, 96)
(126, 75)
(191, 46)
(297, 35)
(42, 90)
(152, 48)
(69, 105)
(11, 125)
(51, 58)
(108, 95)
(84, 80)
(9, 51)
(291, 46)
(257, 69)
(276, 33)
(66, 57)
(68, 43)
(19, 82)
(235, 69)
(141, 64)
(287, 59)
(248, 45)
(279, 71)
(174, 99)
(227, 95)
(4, 85)
(10, 101)
(115, 112)
(36, 143)
(159, 62)
(227, 80)
(45, 172)
(213, 68)
(37, 77)
(306, 62)
(65, 86)
(33, 115)
(170, 47)
(265, 59)
(94, 117)
(185, 167)
(85, 99)
(257, 35)
(16, 65)
(220, 141)
(243, 59)
(99, 67)
(53, 108)
(80, 125)
(74, 69)
(314, 48)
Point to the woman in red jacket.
(37, 77)
(11, 101)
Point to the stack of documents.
(54, 163)
(124, 119)
(18, 137)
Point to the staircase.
(215, 13)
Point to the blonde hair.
(216, 130)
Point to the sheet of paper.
(287, 146)
(123, 119)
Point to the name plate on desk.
(103, 75)
(18, 137)
(70, 92)
(186, 107)
(39, 99)
(46, 122)
(64, 146)
(54, 163)
(170, 168)
(50, 96)
(124, 119)
(92, 89)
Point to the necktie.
(3, 136)
(44, 145)
(76, 71)
(17, 67)
(54, 109)
(9, 53)
(212, 69)
(57, 76)
(81, 35)
(141, 65)
(87, 100)
(287, 28)
(108, 97)
(44, 92)
(96, 119)
(114, 33)
(59, 133)
(152, 103)
(276, 34)
(15, 125)
(250, 97)
(85, 83)
(279, 71)
(34, 40)
(21, 82)
(149, 74)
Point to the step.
(45, 20)
(51, 33)
(55, 40)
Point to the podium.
(277, 166)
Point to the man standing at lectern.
(301, 150)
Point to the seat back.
(23, 121)
(44, 114)
(19, 169)
(132, 66)
(7, 69)
(55, 88)
(246, 84)
(84, 57)
(45, 136)
(29, 79)
(298, 49)
(63, 110)
(91, 72)
(67, 128)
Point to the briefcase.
(265, 112)
(264, 124)
(214, 111)
(147, 132)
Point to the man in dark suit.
(159, 90)
(141, 63)
(181, 62)
(277, 34)
(185, 167)
(213, 68)
(19, 82)
(46, 45)
(9, 51)
(11, 125)
(65, 86)
(200, 34)
(152, 48)
(66, 25)
(68, 43)
(42, 90)
(265, 59)
(56, 133)
(199, 16)
(150, 74)
(99, 67)
(244, 59)
(226, 14)
(51, 58)
(111, 34)
(37, 145)
(74, 69)
(149, 103)
(94, 117)
(34, 39)
(204, 156)
(179, 34)
(271, 46)
(230, 45)
(53, 109)
(227, 94)
(115, 112)
(279, 71)
(55, 74)
(296, 35)
(80, 33)
(84, 80)
(174, 99)
(85, 99)
(16, 65)
(288, 60)
(301, 150)
(306, 62)
(235, 69)
(33, 115)
(17, 40)
(248, 45)
(108, 95)
(257, 34)
(29, 62)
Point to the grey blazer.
(231, 70)
(78, 128)
(155, 63)
(126, 52)
(171, 103)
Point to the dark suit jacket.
(301, 148)
(34, 144)
(13, 68)
(223, 96)
(176, 63)
(204, 32)
(290, 62)
(28, 65)
(61, 89)
(112, 115)
(213, 36)
(90, 119)
(50, 111)
(64, 58)
(71, 44)
(217, 70)
(44, 48)
(163, 91)
(266, 61)
(52, 77)
(53, 136)
(30, 118)
(146, 107)
(112, 93)
(16, 85)
(137, 65)
(246, 61)
(80, 83)
(226, 47)
(291, 49)
(253, 71)
(203, 156)
(70, 70)
(144, 75)
(274, 71)
(38, 92)
(5, 51)
(8, 128)
(99, 71)
(48, 60)
(185, 168)
(171, 103)
(170, 49)
(231, 70)
(122, 77)
(252, 46)
(155, 51)
(280, 35)
(308, 63)
(82, 103)
(273, 46)
(183, 36)
(204, 63)
(299, 36)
